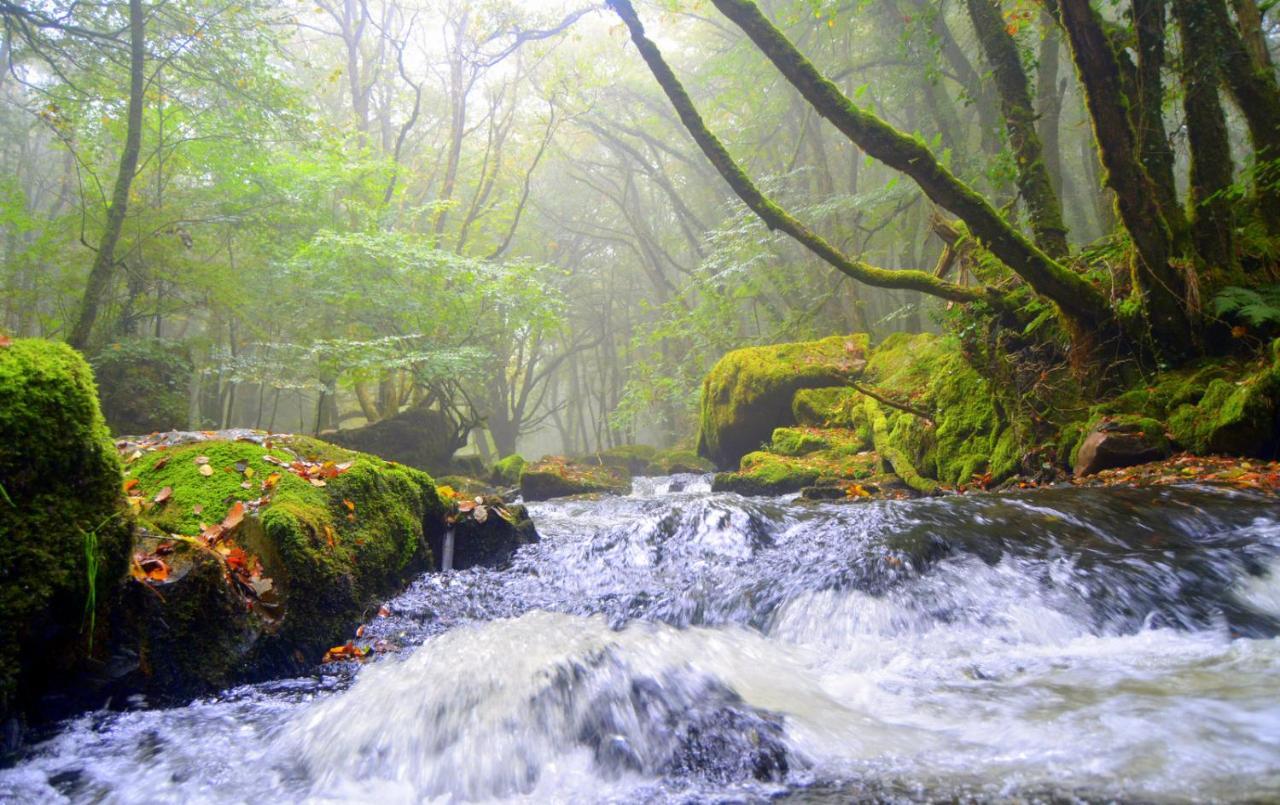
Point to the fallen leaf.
(197, 509)
(163, 495)
(384, 611)
(316, 482)
(271, 480)
(349, 504)
(130, 484)
(234, 517)
(206, 470)
(202, 460)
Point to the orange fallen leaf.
(348, 504)
(130, 484)
(234, 516)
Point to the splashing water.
(678, 645)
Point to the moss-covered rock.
(422, 438)
(556, 477)
(1240, 418)
(490, 537)
(64, 540)
(750, 391)
(769, 472)
(677, 460)
(507, 470)
(332, 530)
(143, 385)
(633, 459)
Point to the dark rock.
(420, 437)
(491, 542)
(1121, 443)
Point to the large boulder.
(557, 477)
(422, 438)
(64, 539)
(1237, 418)
(143, 385)
(749, 392)
(257, 554)
(1121, 442)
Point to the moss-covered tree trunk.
(1252, 83)
(1162, 287)
(1082, 304)
(1044, 210)
(1211, 168)
(1149, 24)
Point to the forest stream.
(679, 645)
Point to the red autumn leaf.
(237, 559)
(154, 568)
(130, 484)
(163, 495)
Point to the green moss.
(507, 470)
(557, 476)
(768, 473)
(677, 460)
(895, 452)
(331, 550)
(829, 408)
(61, 478)
(749, 392)
(1235, 418)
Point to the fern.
(1258, 307)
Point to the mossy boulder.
(422, 438)
(750, 391)
(64, 539)
(332, 530)
(677, 460)
(835, 457)
(507, 470)
(1237, 418)
(556, 477)
(633, 459)
(143, 385)
(1122, 441)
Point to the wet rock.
(556, 476)
(64, 539)
(749, 391)
(490, 541)
(1121, 443)
(422, 438)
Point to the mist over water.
(686, 646)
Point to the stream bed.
(682, 646)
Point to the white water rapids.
(1087, 645)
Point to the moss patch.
(61, 480)
(835, 458)
(556, 477)
(750, 391)
(677, 460)
(507, 470)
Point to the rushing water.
(690, 647)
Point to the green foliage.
(1259, 307)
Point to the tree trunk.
(1148, 115)
(1163, 288)
(1080, 302)
(1211, 168)
(1255, 90)
(1043, 207)
(104, 263)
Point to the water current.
(682, 646)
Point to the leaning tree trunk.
(1043, 207)
(1083, 306)
(104, 263)
(1211, 169)
(1161, 285)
